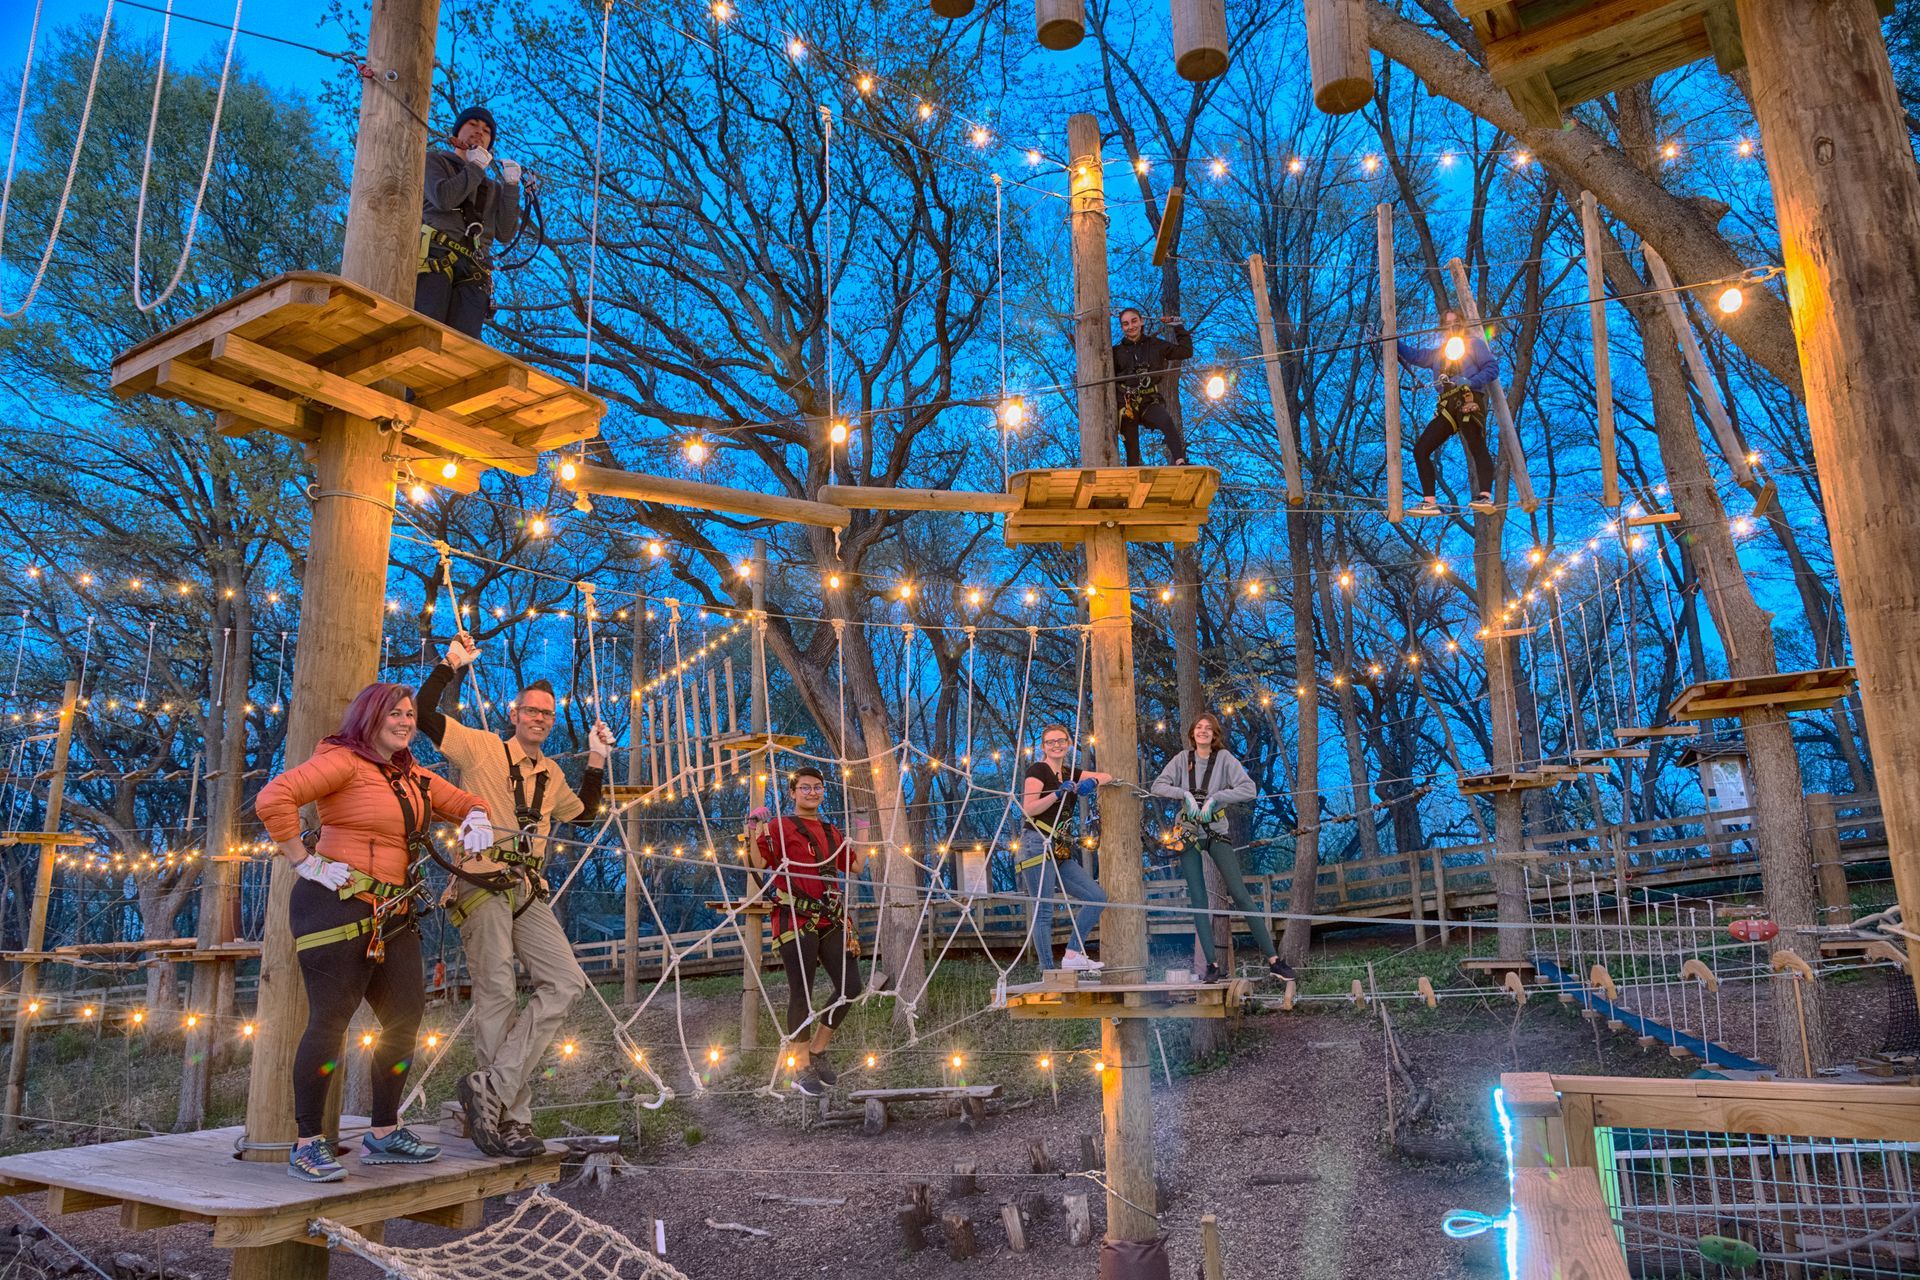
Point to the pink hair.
(363, 718)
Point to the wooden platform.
(1498, 969)
(1152, 504)
(1477, 784)
(1613, 753)
(1783, 691)
(194, 1177)
(758, 741)
(1090, 999)
(1864, 947)
(283, 353)
(1641, 733)
(49, 839)
(1564, 1228)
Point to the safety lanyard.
(527, 817)
(1063, 806)
(1205, 788)
(414, 826)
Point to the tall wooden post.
(1092, 325)
(1390, 362)
(1848, 202)
(36, 939)
(1127, 1083)
(1277, 386)
(636, 767)
(1602, 365)
(344, 588)
(753, 923)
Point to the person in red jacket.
(352, 912)
(806, 858)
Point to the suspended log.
(1502, 412)
(1697, 367)
(1168, 233)
(608, 482)
(1200, 39)
(1337, 55)
(1390, 362)
(1276, 382)
(1602, 365)
(1059, 24)
(855, 497)
(951, 8)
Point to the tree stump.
(1010, 1218)
(912, 1228)
(965, 1180)
(1091, 1156)
(920, 1195)
(961, 1244)
(1079, 1219)
(875, 1121)
(1038, 1161)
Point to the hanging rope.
(206, 164)
(73, 163)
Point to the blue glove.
(1088, 787)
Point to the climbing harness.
(387, 900)
(526, 882)
(817, 915)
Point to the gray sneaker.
(477, 1099)
(824, 1069)
(315, 1162)
(517, 1139)
(808, 1082)
(398, 1147)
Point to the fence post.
(1823, 824)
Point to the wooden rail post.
(1390, 363)
(637, 754)
(36, 939)
(1602, 365)
(343, 593)
(1848, 203)
(1823, 826)
(751, 922)
(1502, 411)
(1127, 1082)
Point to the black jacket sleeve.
(1181, 345)
(592, 783)
(431, 719)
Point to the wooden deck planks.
(1152, 504)
(194, 1176)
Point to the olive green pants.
(1227, 858)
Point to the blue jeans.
(1039, 883)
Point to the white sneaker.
(1074, 962)
(1425, 507)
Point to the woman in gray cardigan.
(1205, 779)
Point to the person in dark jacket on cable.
(1466, 370)
(465, 212)
(1139, 362)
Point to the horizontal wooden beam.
(638, 486)
(1610, 24)
(867, 498)
(482, 391)
(389, 355)
(197, 386)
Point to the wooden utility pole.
(1126, 1085)
(1092, 326)
(36, 939)
(760, 763)
(636, 767)
(343, 592)
(1848, 202)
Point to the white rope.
(73, 164)
(827, 259)
(544, 1238)
(593, 234)
(206, 164)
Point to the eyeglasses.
(808, 786)
(1056, 742)
(541, 712)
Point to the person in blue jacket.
(1466, 369)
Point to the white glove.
(600, 739)
(461, 651)
(480, 156)
(476, 832)
(510, 170)
(760, 813)
(324, 871)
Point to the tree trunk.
(1306, 786)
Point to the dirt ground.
(1302, 1094)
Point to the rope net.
(544, 1238)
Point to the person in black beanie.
(465, 212)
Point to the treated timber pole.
(1276, 383)
(343, 591)
(1390, 362)
(1602, 365)
(1847, 197)
(1127, 1082)
(636, 768)
(36, 939)
(759, 763)
(1092, 343)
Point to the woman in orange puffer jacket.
(351, 912)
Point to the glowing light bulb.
(1046, 1064)
(925, 111)
(1099, 1068)
(568, 1049)
(744, 569)
(796, 49)
(722, 10)
(1522, 159)
(906, 591)
(1142, 165)
(980, 136)
(713, 1055)
(1730, 300)
(654, 549)
(1744, 147)
(1296, 165)
(366, 1039)
(1013, 412)
(417, 493)
(973, 596)
(837, 432)
(537, 526)
(864, 84)
(1670, 151)
(1370, 163)
(1456, 347)
(88, 1012)
(1216, 386)
(139, 1017)
(957, 1062)
(833, 582)
(433, 1040)
(1446, 159)
(696, 451)
(1033, 155)
(1166, 595)
(449, 470)
(872, 1061)
(569, 470)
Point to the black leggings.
(1155, 414)
(804, 952)
(338, 977)
(1471, 427)
(459, 297)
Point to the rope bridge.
(544, 1238)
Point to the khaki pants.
(509, 1042)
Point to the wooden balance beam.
(1056, 999)
(193, 1177)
